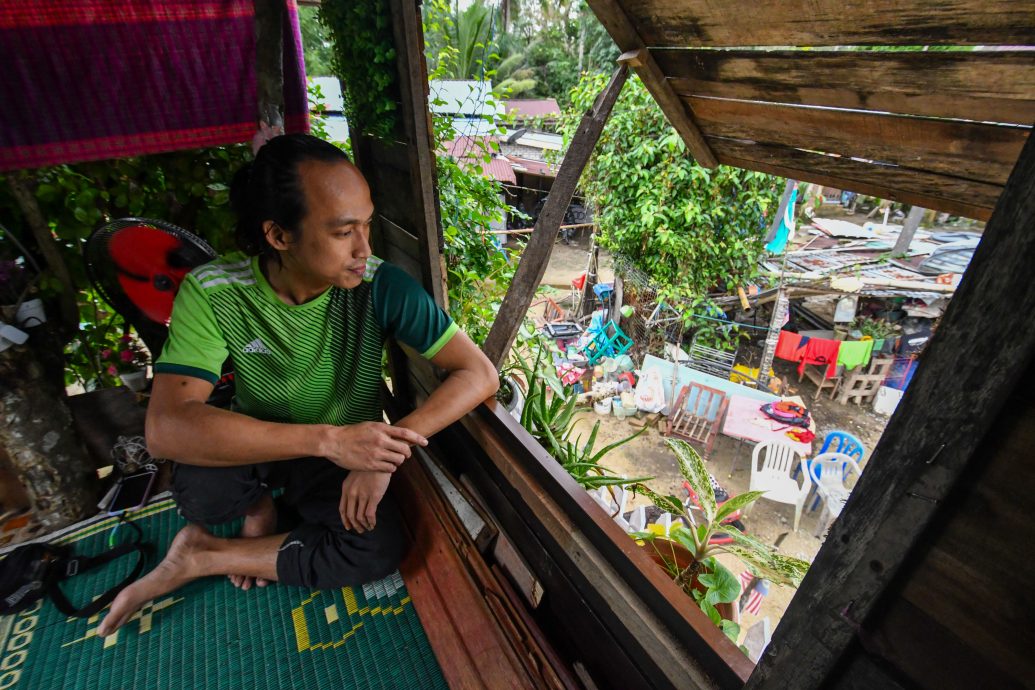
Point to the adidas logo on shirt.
(257, 347)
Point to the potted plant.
(689, 554)
(128, 360)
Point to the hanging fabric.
(86, 80)
(821, 351)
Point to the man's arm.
(472, 379)
(181, 427)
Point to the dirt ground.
(648, 455)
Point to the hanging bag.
(787, 413)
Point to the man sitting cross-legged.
(303, 314)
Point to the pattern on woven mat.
(211, 635)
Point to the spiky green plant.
(549, 415)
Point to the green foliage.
(187, 188)
(364, 60)
(761, 558)
(693, 231)
(478, 272)
(461, 44)
(549, 415)
(875, 328)
(316, 44)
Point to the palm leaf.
(670, 504)
(736, 503)
(692, 467)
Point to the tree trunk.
(37, 433)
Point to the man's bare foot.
(180, 565)
(259, 521)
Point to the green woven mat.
(212, 635)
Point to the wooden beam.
(969, 371)
(905, 238)
(413, 82)
(896, 183)
(614, 19)
(536, 254)
(269, 63)
(703, 23)
(992, 86)
(970, 150)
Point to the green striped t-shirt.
(313, 363)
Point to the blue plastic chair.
(837, 442)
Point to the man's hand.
(360, 494)
(370, 446)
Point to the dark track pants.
(319, 552)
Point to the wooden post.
(269, 64)
(540, 244)
(908, 230)
(784, 200)
(413, 87)
(971, 367)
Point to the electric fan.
(137, 264)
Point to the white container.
(30, 314)
(602, 407)
(136, 381)
(887, 400)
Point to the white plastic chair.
(831, 472)
(772, 465)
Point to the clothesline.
(735, 324)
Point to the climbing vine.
(364, 60)
(694, 231)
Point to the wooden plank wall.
(401, 173)
(960, 615)
(605, 604)
(784, 88)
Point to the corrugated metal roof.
(462, 97)
(532, 107)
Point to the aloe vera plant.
(549, 415)
(718, 583)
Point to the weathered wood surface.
(930, 190)
(697, 23)
(969, 150)
(399, 246)
(536, 254)
(678, 637)
(992, 86)
(614, 19)
(423, 188)
(974, 580)
(971, 368)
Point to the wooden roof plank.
(732, 23)
(970, 150)
(938, 192)
(611, 15)
(941, 432)
(993, 86)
